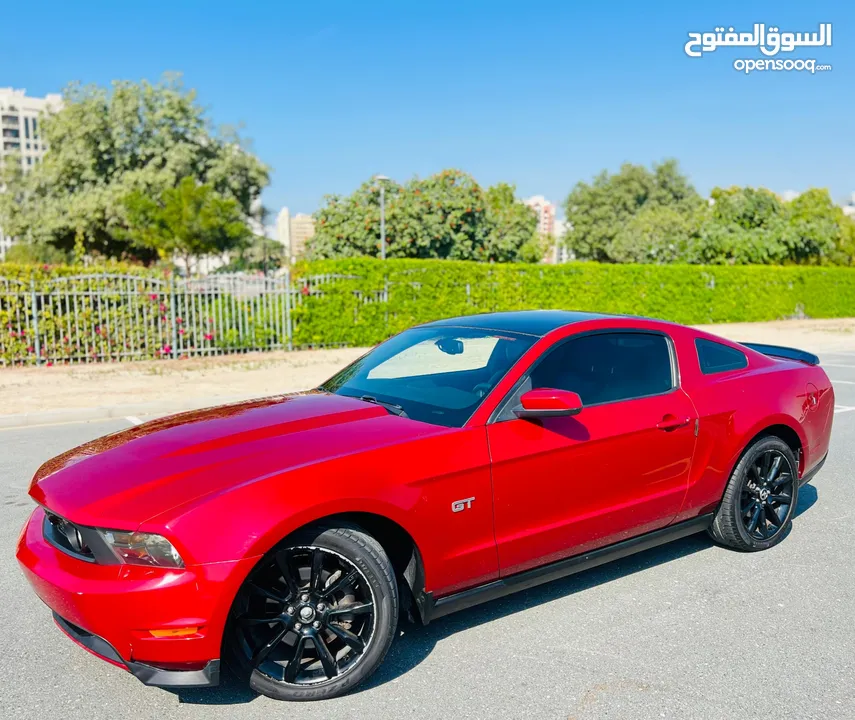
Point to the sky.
(539, 94)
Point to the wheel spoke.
(772, 516)
(265, 650)
(325, 656)
(293, 666)
(773, 471)
(264, 592)
(748, 509)
(755, 518)
(317, 570)
(353, 609)
(784, 477)
(342, 582)
(289, 573)
(767, 463)
(348, 637)
(783, 499)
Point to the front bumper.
(206, 676)
(111, 609)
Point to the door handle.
(672, 422)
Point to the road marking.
(134, 420)
(836, 365)
(843, 382)
(838, 409)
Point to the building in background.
(545, 214)
(283, 230)
(20, 133)
(302, 228)
(849, 208)
(293, 232)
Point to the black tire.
(260, 611)
(755, 494)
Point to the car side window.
(714, 357)
(608, 367)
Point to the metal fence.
(100, 318)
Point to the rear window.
(714, 357)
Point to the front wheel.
(757, 508)
(316, 616)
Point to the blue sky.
(540, 94)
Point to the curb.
(109, 412)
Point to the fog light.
(175, 632)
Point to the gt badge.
(461, 505)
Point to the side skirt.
(431, 609)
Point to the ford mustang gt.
(457, 462)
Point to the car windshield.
(438, 375)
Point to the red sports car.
(457, 462)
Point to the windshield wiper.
(391, 407)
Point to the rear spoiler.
(783, 352)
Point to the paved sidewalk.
(37, 396)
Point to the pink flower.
(30, 348)
(180, 331)
(97, 330)
(162, 308)
(167, 349)
(12, 333)
(305, 290)
(153, 296)
(179, 320)
(209, 336)
(49, 363)
(65, 339)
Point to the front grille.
(66, 536)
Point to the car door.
(567, 485)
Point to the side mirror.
(546, 402)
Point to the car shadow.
(414, 643)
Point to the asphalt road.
(689, 630)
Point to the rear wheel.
(316, 616)
(758, 504)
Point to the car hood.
(121, 480)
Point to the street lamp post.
(382, 179)
(382, 223)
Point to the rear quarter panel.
(735, 406)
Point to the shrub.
(348, 309)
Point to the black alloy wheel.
(767, 495)
(306, 621)
(759, 501)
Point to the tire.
(263, 638)
(755, 494)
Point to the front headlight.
(141, 548)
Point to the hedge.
(362, 301)
(348, 307)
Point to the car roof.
(528, 322)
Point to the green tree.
(187, 221)
(814, 231)
(512, 227)
(107, 144)
(657, 234)
(446, 215)
(596, 212)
